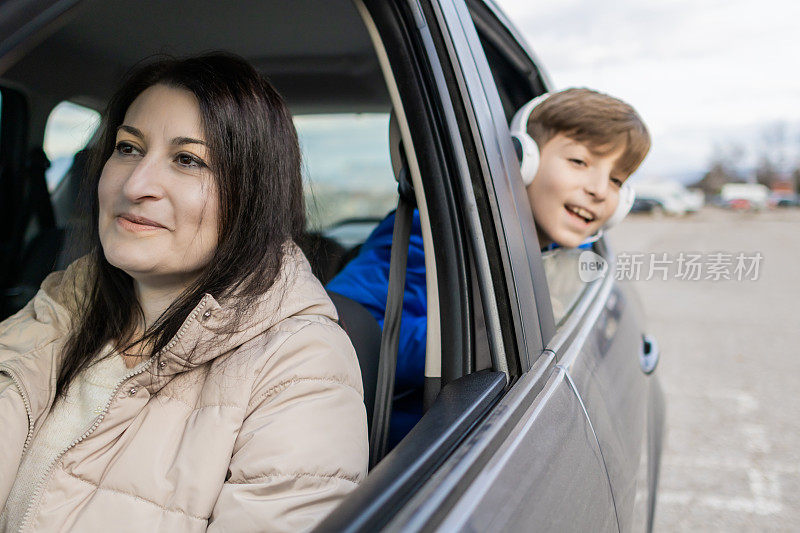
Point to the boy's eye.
(617, 182)
(126, 148)
(188, 160)
(576, 161)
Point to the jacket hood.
(205, 333)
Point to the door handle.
(648, 359)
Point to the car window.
(348, 174)
(561, 267)
(69, 128)
(511, 70)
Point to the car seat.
(365, 334)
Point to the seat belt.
(390, 337)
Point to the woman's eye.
(188, 160)
(126, 148)
(617, 182)
(579, 162)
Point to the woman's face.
(158, 199)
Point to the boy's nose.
(598, 187)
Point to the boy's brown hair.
(600, 121)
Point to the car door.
(599, 343)
(574, 452)
(536, 460)
(531, 459)
(602, 349)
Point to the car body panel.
(533, 462)
(548, 474)
(603, 363)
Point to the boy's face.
(575, 191)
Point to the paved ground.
(730, 368)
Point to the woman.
(188, 374)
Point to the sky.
(709, 77)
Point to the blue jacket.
(365, 279)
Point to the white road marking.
(730, 462)
(736, 504)
(763, 476)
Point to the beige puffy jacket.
(264, 431)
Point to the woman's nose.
(143, 182)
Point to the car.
(670, 197)
(784, 199)
(529, 423)
(745, 196)
(646, 205)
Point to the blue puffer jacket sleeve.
(365, 279)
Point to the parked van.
(745, 196)
(670, 197)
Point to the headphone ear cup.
(529, 161)
(626, 197)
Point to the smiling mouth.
(137, 223)
(580, 213)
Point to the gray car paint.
(548, 474)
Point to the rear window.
(69, 128)
(348, 172)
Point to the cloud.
(702, 67)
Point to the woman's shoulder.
(308, 343)
(304, 348)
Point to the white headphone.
(528, 153)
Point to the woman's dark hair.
(255, 158)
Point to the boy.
(588, 144)
(577, 147)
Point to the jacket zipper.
(49, 471)
(99, 419)
(24, 394)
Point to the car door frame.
(604, 371)
(492, 194)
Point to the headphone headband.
(519, 124)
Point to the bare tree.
(722, 169)
(767, 172)
(773, 154)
